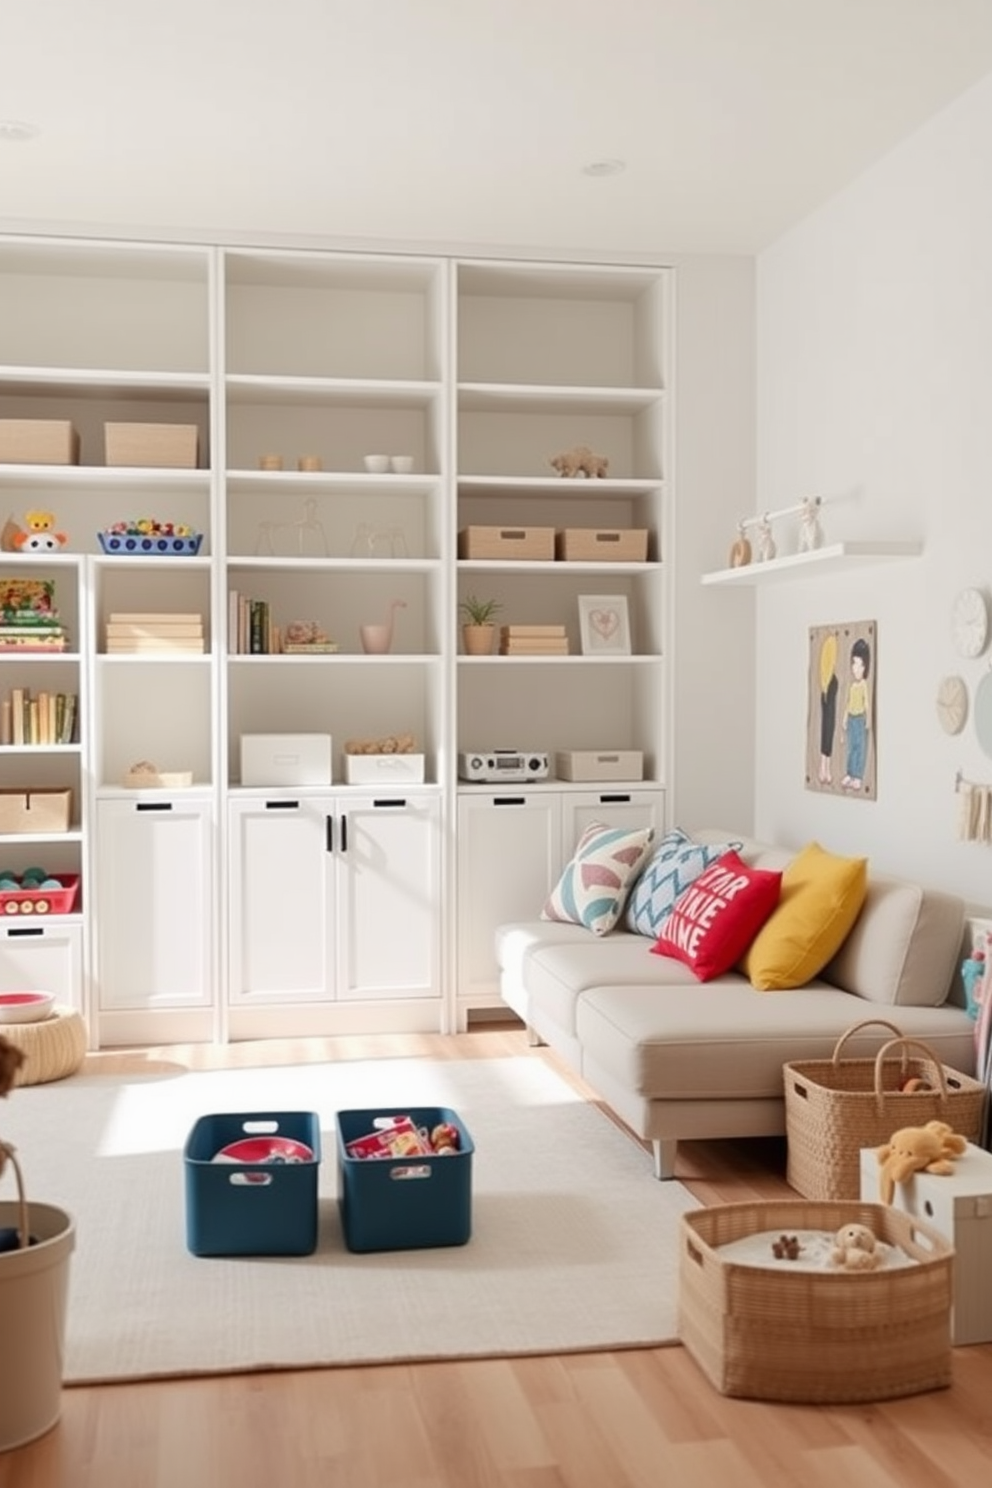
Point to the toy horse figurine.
(377, 639)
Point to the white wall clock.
(970, 623)
(952, 704)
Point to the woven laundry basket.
(767, 1332)
(834, 1107)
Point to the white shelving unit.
(479, 371)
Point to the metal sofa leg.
(664, 1158)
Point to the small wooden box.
(33, 812)
(536, 543)
(602, 544)
(602, 764)
(168, 446)
(38, 442)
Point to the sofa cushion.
(593, 889)
(730, 1042)
(674, 863)
(718, 916)
(905, 946)
(822, 896)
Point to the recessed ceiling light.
(15, 131)
(604, 167)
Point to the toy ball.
(51, 883)
(34, 875)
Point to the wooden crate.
(38, 442)
(35, 811)
(537, 543)
(169, 446)
(770, 1332)
(602, 544)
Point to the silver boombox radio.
(496, 765)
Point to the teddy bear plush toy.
(855, 1249)
(581, 461)
(917, 1149)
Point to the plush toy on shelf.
(917, 1149)
(40, 536)
(581, 461)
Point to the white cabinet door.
(154, 873)
(43, 958)
(281, 874)
(509, 857)
(614, 808)
(389, 910)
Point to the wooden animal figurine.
(580, 461)
(740, 553)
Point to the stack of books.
(29, 620)
(38, 718)
(154, 633)
(533, 640)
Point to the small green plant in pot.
(478, 630)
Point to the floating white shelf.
(832, 558)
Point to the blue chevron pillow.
(676, 862)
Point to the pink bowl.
(25, 1007)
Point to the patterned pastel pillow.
(676, 862)
(593, 889)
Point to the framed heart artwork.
(604, 626)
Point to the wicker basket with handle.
(834, 1107)
(767, 1332)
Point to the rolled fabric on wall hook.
(974, 810)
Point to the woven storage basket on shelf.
(766, 1332)
(834, 1107)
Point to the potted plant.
(478, 630)
(36, 1241)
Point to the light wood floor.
(631, 1419)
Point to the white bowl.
(25, 1007)
(377, 463)
(401, 464)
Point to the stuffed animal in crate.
(917, 1149)
(855, 1249)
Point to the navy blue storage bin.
(247, 1208)
(404, 1203)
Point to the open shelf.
(832, 558)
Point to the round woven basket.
(53, 1047)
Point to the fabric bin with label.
(602, 544)
(384, 769)
(603, 764)
(533, 543)
(959, 1205)
(38, 442)
(34, 812)
(404, 1203)
(251, 1208)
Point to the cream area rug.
(574, 1243)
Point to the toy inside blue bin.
(404, 1203)
(259, 1196)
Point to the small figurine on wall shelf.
(810, 531)
(582, 462)
(766, 542)
(740, 553)
(40, 536)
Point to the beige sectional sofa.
(676, 1058)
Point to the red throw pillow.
(717, 917)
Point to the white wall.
(712, 630)
(874, 337)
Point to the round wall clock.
(952, 704)
(970, 623)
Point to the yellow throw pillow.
(821, 898)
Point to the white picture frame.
(604, 625)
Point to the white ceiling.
(466, 123)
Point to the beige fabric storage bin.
(768, 1332)
(35, 811)
(384, 769)
(602, 544)
(172, 446)
(507, 542)
(38, 442)
(606, 764)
